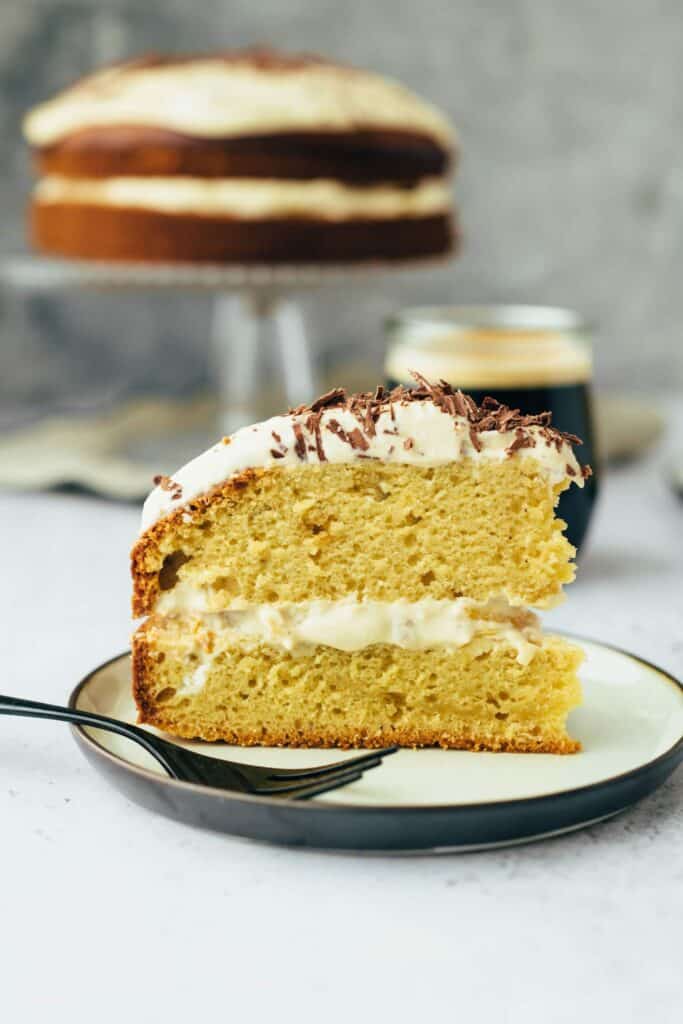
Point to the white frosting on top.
(253, 197)
(351, 625)
(213, 98)
(418, 434)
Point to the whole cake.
(251, 156)
(358, 573)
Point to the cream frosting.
(351, 625)
(414, 433)
(195, 681)
(214, 98)
(253, 197)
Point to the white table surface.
(110, 913)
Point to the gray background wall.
(570, 186)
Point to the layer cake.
(252, 156)
(360, 572)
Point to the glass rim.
(501, 316)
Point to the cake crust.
(144, 560)
(81, 231)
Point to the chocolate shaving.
(332, 397)
(488, 423)
(371, 415)
(521, 440)
(335, 427)
(461, 406)
(276, 436)
(570, 470)
(300, 441)
(408, 443)
(313, 425)
(276, 454)
(167, 483)
(357, 440)
(422, 381)
(368, 406)
(354, 437)
(474, 438)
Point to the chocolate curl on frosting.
(367, 407)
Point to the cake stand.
(262, 358)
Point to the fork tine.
(326, 769)
(326, 786)
(291, 785)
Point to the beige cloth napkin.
(110, 454)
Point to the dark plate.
(630, 725)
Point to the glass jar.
(531, 358)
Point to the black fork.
(187, 766)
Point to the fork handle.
(36, 709)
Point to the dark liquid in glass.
(570, 405)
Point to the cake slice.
(359, 573)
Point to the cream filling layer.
(251, 198)
(218, 99)
(351, 625)
(414, 433)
